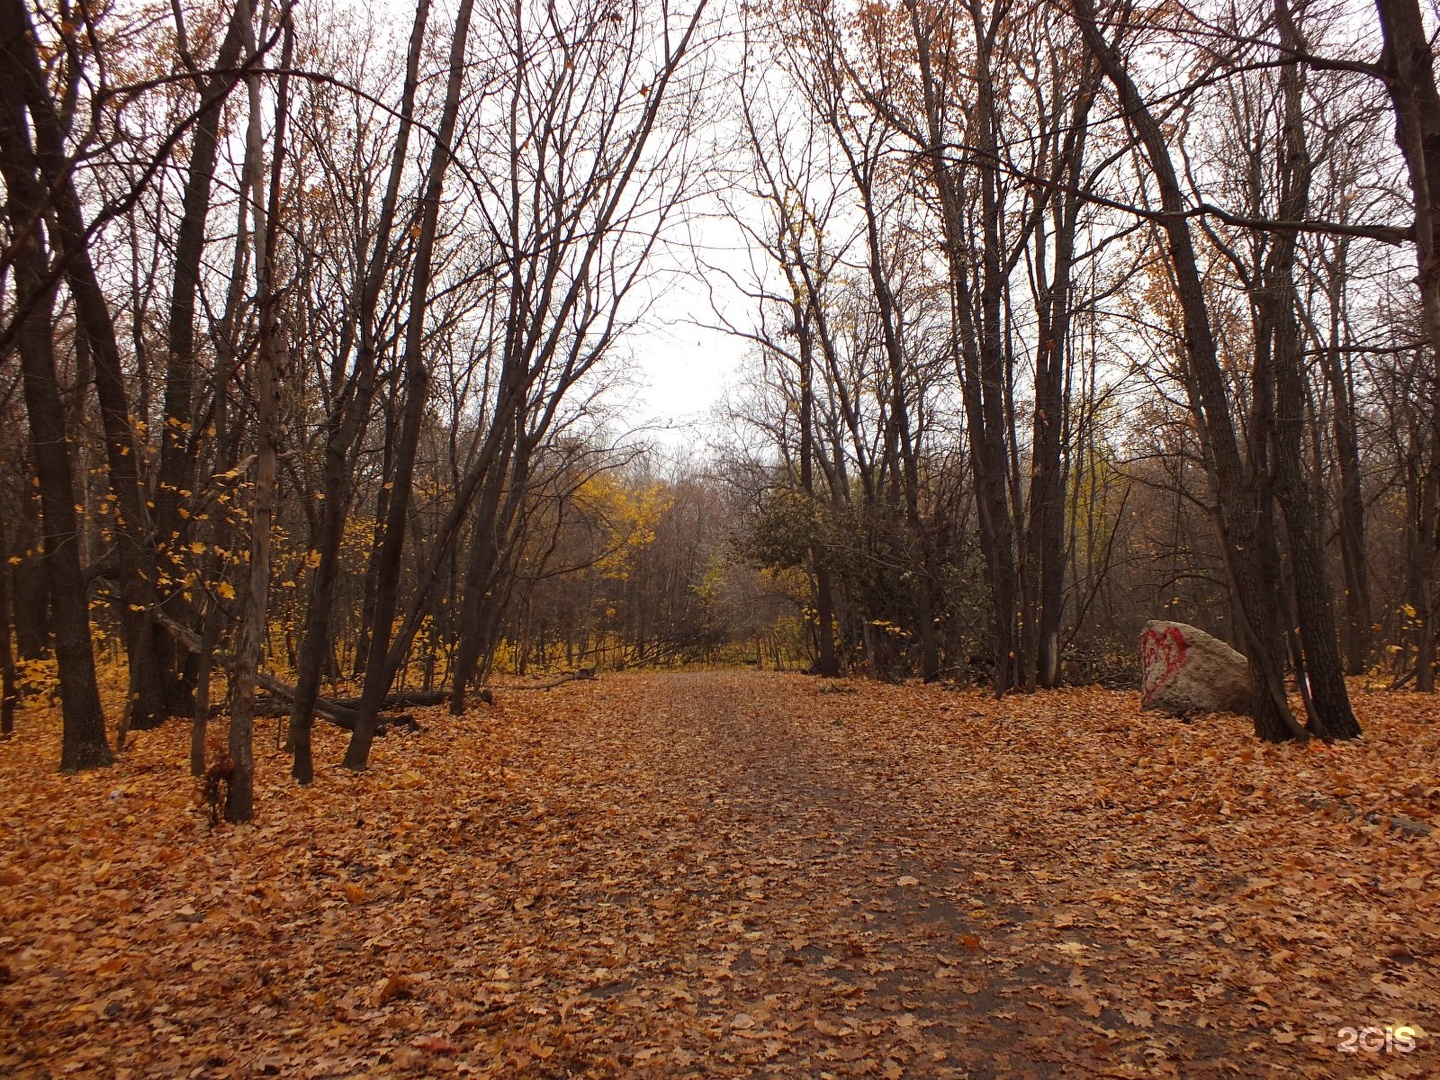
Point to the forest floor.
(737, 874)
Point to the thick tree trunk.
(1408, 62)
(1421, 538)
(145, 706)
(9, 689)
(84, 742)
(1324, 670)
(30, 582)
(1409, 65)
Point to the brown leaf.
(394, 987)
(435, 1045)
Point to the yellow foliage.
(630, 515)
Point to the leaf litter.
(735, 874)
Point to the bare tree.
(266, 372)
(417, 379)
(347, 421)
(1239, 517)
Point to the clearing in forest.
(736, 874)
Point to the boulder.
(1188, 671)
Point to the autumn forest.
(325, 506)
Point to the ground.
(737, 874)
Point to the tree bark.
(30, 582)
(9, 690)
(826, 662)
(266, 372)
(179, 441)
(84, 742)
(1351, 502)
(899, 438)
(479, 579)
(977, 345)
(1048, 479)
(377, 538)
(1408, 63)
(1324, 669)
(145, 706)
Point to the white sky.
(683, 364)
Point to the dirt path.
(727, 874)
(831, 905)
(931, 904)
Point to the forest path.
(845, 920)
(731, 874)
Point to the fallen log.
(582, 674)
(398, 699)
(1395, 821)
(277, 706)
(343, 714)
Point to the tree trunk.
(977, 347)
(84, 742)
(145, 706)
(1421, 538)
(417, 378)
(479, 578)
(826, 663)
(1048, 479)
(179, 440)
(900, 446)
(249, 648)
(377, 541)
(30, 582)
(9, 690)
(1408, 62)
(1351, 503)
(1324, 670)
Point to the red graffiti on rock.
(1161, 654)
